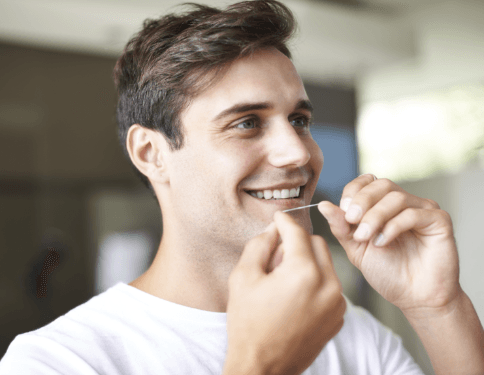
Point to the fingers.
(298, 248)
(276, 259)
(302, 290)
(370, 204)
(321, 252)
(323, 257)
(336, 219)
(296, 241)
(420, 220)
(361, 194)
(353, 187)
(330, 292)
(311, 252)
(258, 252)
(382, 211)
(342, 230)
(264, 251)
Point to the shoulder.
(122, 331)
(70, 343)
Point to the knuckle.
(341, 306)
(445, 216)
(332, 292)
(335, 289)
(310, 276)
(347, 191)
(432, 204)
(399, 196)
(333, 299)
(340, 325)
(391, 228)
(385, 183)
(411, 214)
(362, 199)
(353, 187)
(344, 306)
(368, 177)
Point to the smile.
(276, 194)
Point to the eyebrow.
(304, 104)
(247, 107)
(241, 108)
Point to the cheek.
(237, 161)
(221, 170)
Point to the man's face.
(247, 139)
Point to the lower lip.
(282, 203)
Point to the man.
(215, 118)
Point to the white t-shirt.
(127, 331)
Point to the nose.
(286, 147)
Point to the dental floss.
(300, 208)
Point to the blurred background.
(398, 87)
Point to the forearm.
(243, 361)
(237, 367)
(453, 338)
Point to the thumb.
(341, 229)
(258, 251)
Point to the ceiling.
(338, 39)
(385, 6)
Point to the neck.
(193, 276)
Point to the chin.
(306, 223)
(303, 219)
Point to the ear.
(147, 149)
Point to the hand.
(404, 245)
(278, 321)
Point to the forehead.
(265, 76)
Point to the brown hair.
(178, 55)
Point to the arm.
(404, 246)
(453, 337)
(274, 316)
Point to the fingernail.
(362, 233)
(345, 203)
(353, 213)
(369, 174)
(379, 240)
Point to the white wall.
(469, 232)
(449, 39)
(334, 42)
(462, 195)
(125, 229)
(450, 43)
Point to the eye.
(301, 122)
(247, 124)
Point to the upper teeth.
(277, 194)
